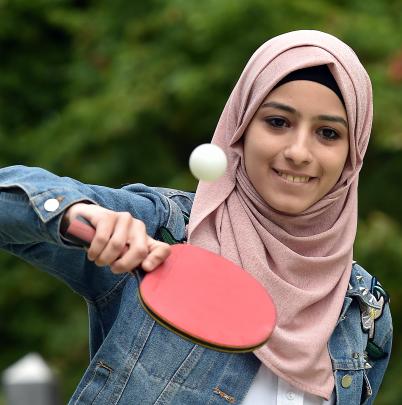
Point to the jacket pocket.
(95, 385)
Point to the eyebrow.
(287, 108)
(333, 118)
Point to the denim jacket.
(134, 360)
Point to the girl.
(295, 130)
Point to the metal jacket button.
(346, 381)
(51, 205)
(290, 395)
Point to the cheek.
(250, 149)
(258, 145)
(337, 163)
(255, 159)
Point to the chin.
(288, 209)
(291, 211)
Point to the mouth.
(293, 178)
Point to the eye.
(328, 134)
(276, 122)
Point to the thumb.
(158, 252)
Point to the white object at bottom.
(268, 389)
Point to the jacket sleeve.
(32, 203)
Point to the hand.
(115, 230)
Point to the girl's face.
(296, 145)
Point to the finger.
(137, 249)
(158, 253)
(117, 241)
(104, 230)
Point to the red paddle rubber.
(205, 296)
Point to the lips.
(293, 177)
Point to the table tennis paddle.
(202, 297)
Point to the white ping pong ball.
(207, 162)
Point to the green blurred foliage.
(117, 92)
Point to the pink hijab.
(304, 260)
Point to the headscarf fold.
(304, 260)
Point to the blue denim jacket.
(135, 360)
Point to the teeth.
(294, 179)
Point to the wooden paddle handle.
(82, 232)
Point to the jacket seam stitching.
(105, 297)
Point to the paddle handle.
(80, 231)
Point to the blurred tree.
(116, 92)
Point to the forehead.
(307, 95)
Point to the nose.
(298, 150)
